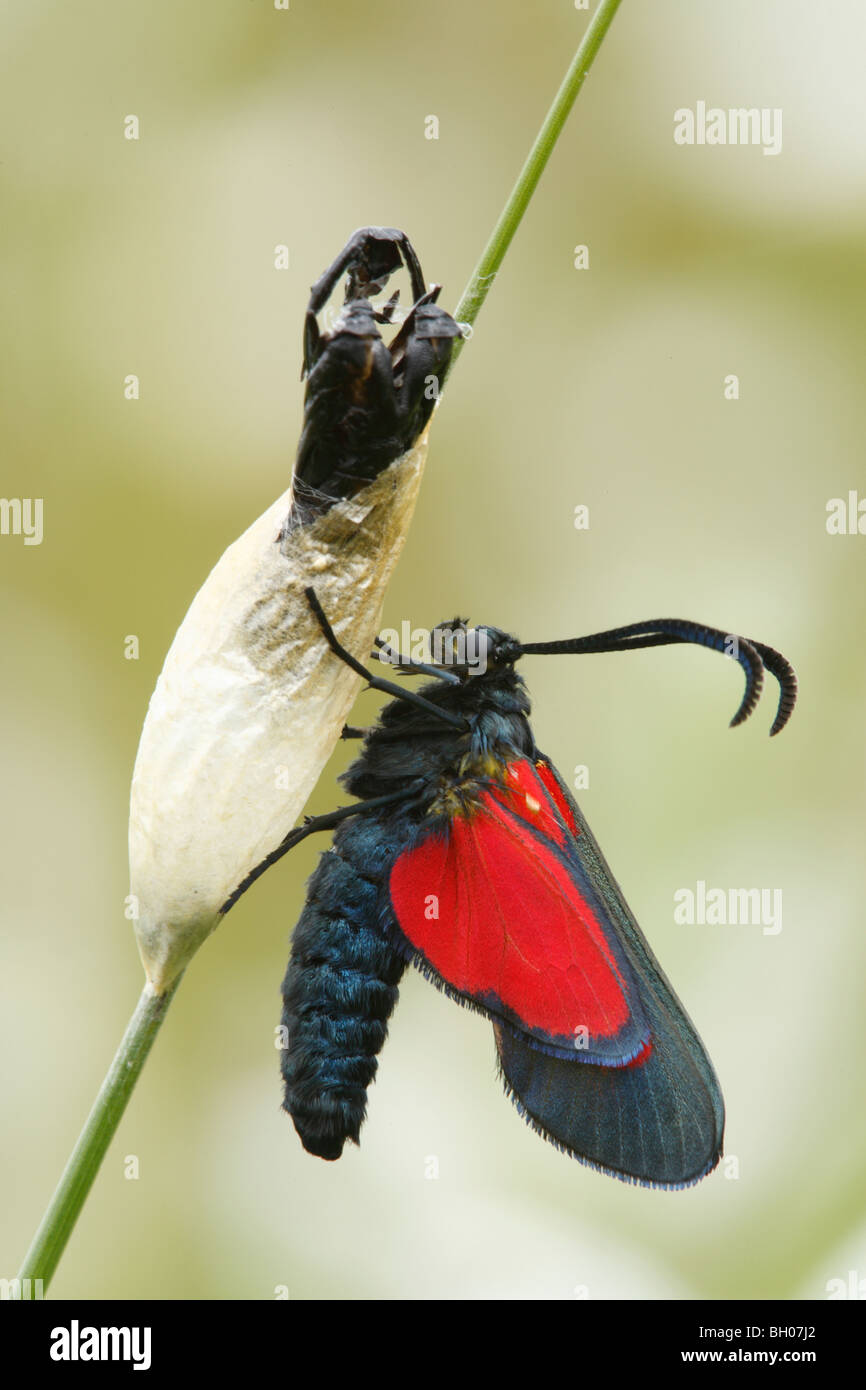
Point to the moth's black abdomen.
(339, 992)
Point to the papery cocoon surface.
(250, 704)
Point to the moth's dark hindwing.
(660, 1122)
(338, 994)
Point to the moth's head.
(472, 651)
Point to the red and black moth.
(467, 856)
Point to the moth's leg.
(407, 665)
(375, 682)
(311, 825)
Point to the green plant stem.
(59, 1220)
(500, 239)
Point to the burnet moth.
(467, 856)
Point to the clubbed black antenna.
(753, 656)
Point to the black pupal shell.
(366, 403)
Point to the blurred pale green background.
(602, 387)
